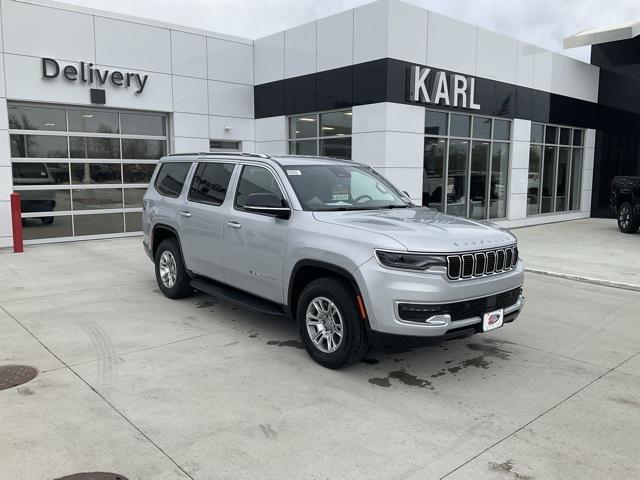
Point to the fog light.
(417, 311)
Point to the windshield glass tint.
(340, 187)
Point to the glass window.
(501, 130)
(40, 173)
(95, 173)
(551, 134)
(304, 147)
(577, 137)
(499, 173)
(210, 183)
(304, 126)
(139, 149)
(47, 227)
(96, 198)
(93, 121)
(433, 172)
(481, 127)
(98, 224)
(143, 124)
(342, 187)
(435, 123)
(171, 177)
(133, 221)
(38, 146)
(457, 177)
(533, 187)
(548, 179)
(256, 180)
(133, 197)
(537, 133)
(562, 177)
(336, 147)
(565, 136)
(478, 180)
(92, 147)
(335, 123)
(460, 125)
(137, 172)
(45, 201)
(37, 118)
(576, 179)
(224, 145)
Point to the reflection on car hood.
(422, 229)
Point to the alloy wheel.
(168, 269)
(324, 324)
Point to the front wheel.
(171, 275)
(627, 219)
(330, 326)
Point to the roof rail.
(230, 154)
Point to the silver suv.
(330, 243)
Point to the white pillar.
(518, 171)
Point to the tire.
(628, 221)
(176, 283)
(353, 345)
(47, 220)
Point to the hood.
(422, 229)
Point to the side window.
(255, 180)
(171, 177)
(210, 183)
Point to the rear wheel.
(627, 219)
(171, 275)
(329, 323)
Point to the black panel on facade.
(370, 82)
(335, 88)
(268, 99)
(300, 94)
(98, 96)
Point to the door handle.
(233, 224)
(185, 214)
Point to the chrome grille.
(479, 264)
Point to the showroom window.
(555, 169)
(82, 171)
(327, 134)
(470, 155)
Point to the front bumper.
(383, 289)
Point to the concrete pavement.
(133, 383)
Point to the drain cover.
(94, 476)
(14, 375)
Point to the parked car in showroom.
(332, 244)
(625, 201)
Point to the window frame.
(195, 175)
(471, 139)
(318, 138)
(556, 164)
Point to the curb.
(594, 281)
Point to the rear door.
(254, 244)
(201, 218)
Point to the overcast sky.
(541, 22)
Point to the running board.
(238, 297)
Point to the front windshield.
(343, 187)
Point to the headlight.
(410, 261)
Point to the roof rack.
(230, 154)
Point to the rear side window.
(210, 183)
(255, 180)
(171, 177)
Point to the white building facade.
(465, 120)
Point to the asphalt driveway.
(133, 383)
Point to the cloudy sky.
(541, 22)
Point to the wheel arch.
(162, 232)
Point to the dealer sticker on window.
(492, 320)
(294, 172)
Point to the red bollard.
(16, 222)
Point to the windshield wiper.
(395, 206)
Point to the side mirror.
(267, 204)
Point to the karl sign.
(441, 88)
(92, 75)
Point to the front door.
(254, 244)
(202, 217)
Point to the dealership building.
(465, 120)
